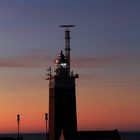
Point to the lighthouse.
(62, 93)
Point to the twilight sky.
(105, 52)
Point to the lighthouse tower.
(62, 94)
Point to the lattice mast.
(67, 43)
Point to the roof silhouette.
(96, 135)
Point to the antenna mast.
(18, 121)
(67, 42)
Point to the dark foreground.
(42, 136)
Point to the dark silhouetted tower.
(62, 94)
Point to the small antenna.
(49, 74)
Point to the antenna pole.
(67, 42)
(46, 119)
(18, 121)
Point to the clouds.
(105, 46)
(118, 70)
(35, 58)
(42, 57)
(119, 60)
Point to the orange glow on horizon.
(100, 108)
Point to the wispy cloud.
(110, 70)
(35, 58)
(38, 58)
(106, 61)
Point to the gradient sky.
(105, 52)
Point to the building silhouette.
(62, 101)
(62, 94)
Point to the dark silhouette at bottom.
(11, 138)
(96, 135)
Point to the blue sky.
(110, 26)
